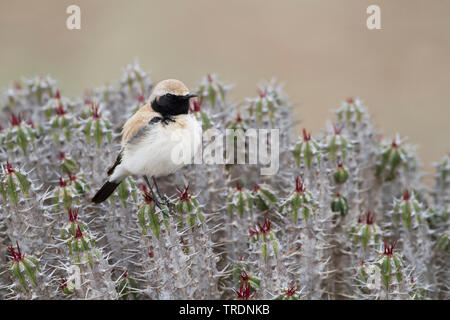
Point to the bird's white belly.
(165, 149)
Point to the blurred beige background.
(320, 49)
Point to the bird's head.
(171, 97)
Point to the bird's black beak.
(190, 95)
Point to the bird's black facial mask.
(171, 105)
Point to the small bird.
(148, 144)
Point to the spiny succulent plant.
(240, 201)
(264, 236)
(212, 91)
(307, 232)
(20, 134)
(12, 183)
(24, 268)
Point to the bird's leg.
(155, 198)
(166, 200)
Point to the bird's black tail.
(105, 191)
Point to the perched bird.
(149, 138)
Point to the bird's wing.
(138, 121)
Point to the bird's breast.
(164, 148)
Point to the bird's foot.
(162, 206)
(167, 202)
